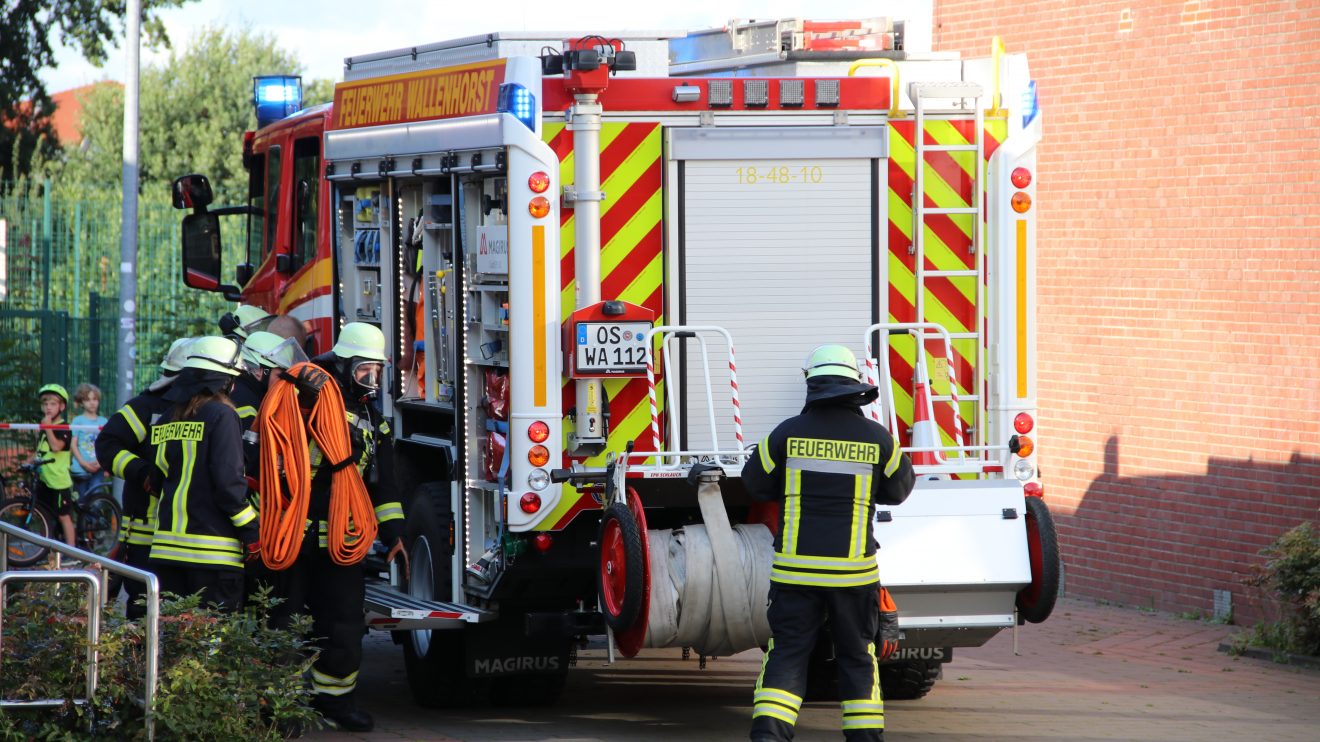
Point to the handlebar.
(34, 465)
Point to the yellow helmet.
(175, 356)
(55, 389)
(831, 360)
(360, 340)
(258, 345)
(245, 320)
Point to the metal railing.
(95, 590)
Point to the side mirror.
(192, 192)
(201, 253)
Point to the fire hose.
(285, 470)
(709, 583)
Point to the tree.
(87, 26)
(26, 30)
(194, 110)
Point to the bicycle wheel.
(21, 512)
(98, 524)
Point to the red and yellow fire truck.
(600, 262)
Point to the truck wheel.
(908, 681)
(1035, 602)
(619, 579)
(434, 660)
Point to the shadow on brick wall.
(1169, 541)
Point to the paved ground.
(1091, 672)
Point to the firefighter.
(262, 354)
(333, 593)
(828, 467)
(244, 321)
(124, 449)
(206, 527)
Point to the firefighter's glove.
(252, 551)
(153, 480)
(887, 637)
(309, 379)
(398, 551)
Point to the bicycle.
(97, 518)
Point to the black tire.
(435, 660)
(1036, 601)
(99, 521)
(20, 512)
(620, 542)
(908, 681)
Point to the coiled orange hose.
(352, 518)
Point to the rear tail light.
(538, 432)
(539, 181)
(538, 207)
(530, 502)
(538, 455)
(1033, 489)
(1021, 177)
(543, 542)
(1023, 423)
(1021, 202)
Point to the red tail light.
(1021, 177)
(530, 502)
(539, 182)
(1023, 423)
(1033, 489)
(538, 432)
(543, 542)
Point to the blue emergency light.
(1030, 104)
(519, 101)
(275, 97)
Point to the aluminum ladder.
(922, 94)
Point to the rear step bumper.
(387, 608)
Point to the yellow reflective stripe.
(863, 706)
(388, 511)
(153, 513)
(246, 411)
(180, 511)
(776, 694)
(775, 711)
(765, 660)
(331, 685)
(861, 506)
(792, 509)
(121, 462)
(198, 540)
(875, 676)
(767, 461)
(891, 465)
(160, 460)
(243, 517)
(139, 430)
(177, 554)
(826, 563)
(864, 722)
(814, 579)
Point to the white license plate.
(611, 347)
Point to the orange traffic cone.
(925, 433)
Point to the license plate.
(611, 348)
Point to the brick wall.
(1179, 280)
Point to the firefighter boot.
(343, 712)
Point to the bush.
(221, 676)
(1292, 572)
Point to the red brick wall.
(1179, 280)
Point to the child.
(87, 473)
(54, 482)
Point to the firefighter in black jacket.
(124, 449)
(333, 593)
(828, 466)
(207, 528)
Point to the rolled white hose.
(709, 583)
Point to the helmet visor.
(286, 355)
(366, 374)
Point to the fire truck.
(600, 261)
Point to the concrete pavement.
(1092, 672)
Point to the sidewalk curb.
(1270, 655)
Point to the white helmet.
(360, 340)
(175, 356)
(211, 353)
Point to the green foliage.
(1293, 573)
(195, 108)
(222, 676)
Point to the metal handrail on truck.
(95, 584)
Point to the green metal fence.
(59, 318)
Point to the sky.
(322, 33)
